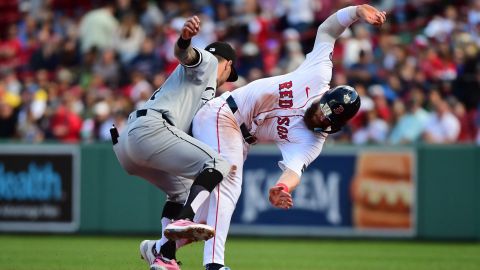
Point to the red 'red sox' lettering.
(281, 129)
(285, 101)
(286, 95)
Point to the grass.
(44, 252)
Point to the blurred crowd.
(69, 69)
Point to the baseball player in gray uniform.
(156, 145)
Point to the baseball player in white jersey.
(296, 111)
(156, 146)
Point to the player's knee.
(223, 166)
(209, 178)
(178, 197)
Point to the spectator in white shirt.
(97, 28)
(375, 131)
(441, 27)
(353, 46)
(129, 38)
(442, 127)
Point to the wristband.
(285, 188)
(183, 43)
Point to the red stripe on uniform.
(218, 187)
(278, 116)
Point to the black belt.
(143, 112)
(249, 138)
(114, 131)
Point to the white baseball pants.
(216, 126)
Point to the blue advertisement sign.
(339, 194)
(39, 188)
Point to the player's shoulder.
(207, 56)
(205, 59)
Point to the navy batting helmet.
(333, 110)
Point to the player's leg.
(172, 210)
(219, 129)
(176, 189)
(120, 150)
(206, 167)
(151, 249)
(213, 170)
(152, 142)
(221, 206)
(164, 147)
(137, 162)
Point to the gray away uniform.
(156, 146)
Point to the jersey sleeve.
(204, 68)
(318, 62)
(320, 55)
(303, 148)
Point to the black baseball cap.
(226, 51)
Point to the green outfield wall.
(448, 194)
(111, 201)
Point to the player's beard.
(316, 120)
(309, 116)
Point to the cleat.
(154, 259)
(182, 242)
(161, 263)
(147, 251)
(186, 229)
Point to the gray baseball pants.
(153, 149)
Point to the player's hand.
(280, 198)
(191, 28)
(371, 15)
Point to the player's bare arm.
(334, 25)
(183, 49)
(279, 195)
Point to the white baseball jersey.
(273, 108)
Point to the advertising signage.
(39, 188)
(342, 193)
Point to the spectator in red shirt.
(65, 124)
(467, 128)
(10, 49)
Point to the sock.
(196, 197)
(164, 246)
(165, 221)
(213, 266)
(205, 182)
(168, 250)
